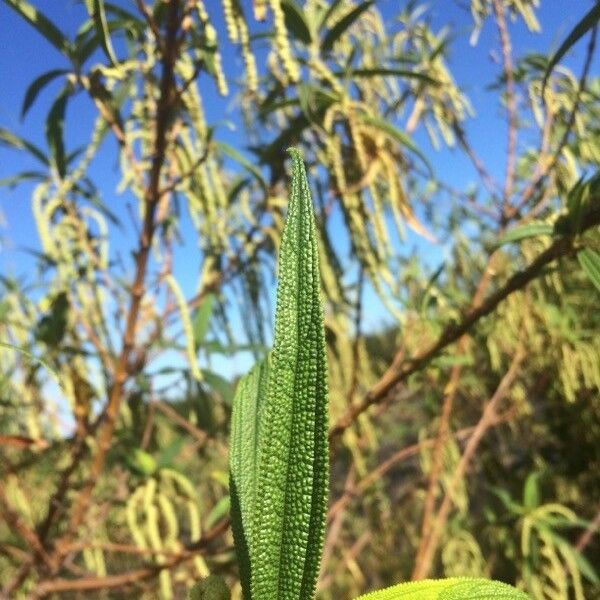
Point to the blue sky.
(25, 55)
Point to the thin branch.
(423, 566)
(483, 173)
(389, 463)
(398, 372)
(586, 537)
(511, 103)
(444, 425)
(541, 171)
(57, 586)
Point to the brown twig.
(444, 424)
(151, 200)
(541, 171)
(201, 436)
(423, 566)
(511, 104)
(398, 456)
(57, 586)
(586, 537)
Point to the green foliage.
(589, 21)
(448, 589)
(279, 448)
(280, 459)
(147, 300)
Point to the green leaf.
(381, 72)
(202, 319)
(455, 588)
(141, 461)
(23, 176)
(55, 126)
(168, 454)
(36, 86)
(590, 263)
(328, 12)
(590, 20)
(219, 384)
(525, 231)
(531, 491)
(11, 140)
(51, 328)
(586, 568)
(293, 461)
(295, 21)
(46, 27)
(239, 158)
(398, 135)
(211, 588)
(246, 423)
(220, 509)
(343, 25)
(35, 359)
(101, 24)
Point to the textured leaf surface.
(248, 405)
(279, 447)
(455, 588)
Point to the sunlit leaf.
(590, 263)
(531, 491)
(246, 424)
(455, 588)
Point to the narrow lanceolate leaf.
(293, 462)
(55, 126)
(101, 24)
(590, 263)
(523, 232)
(44, 25)
(454, 588)
(246, 418)
(11, 140)
(589, 20)
(343, 25)
(36, 87)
